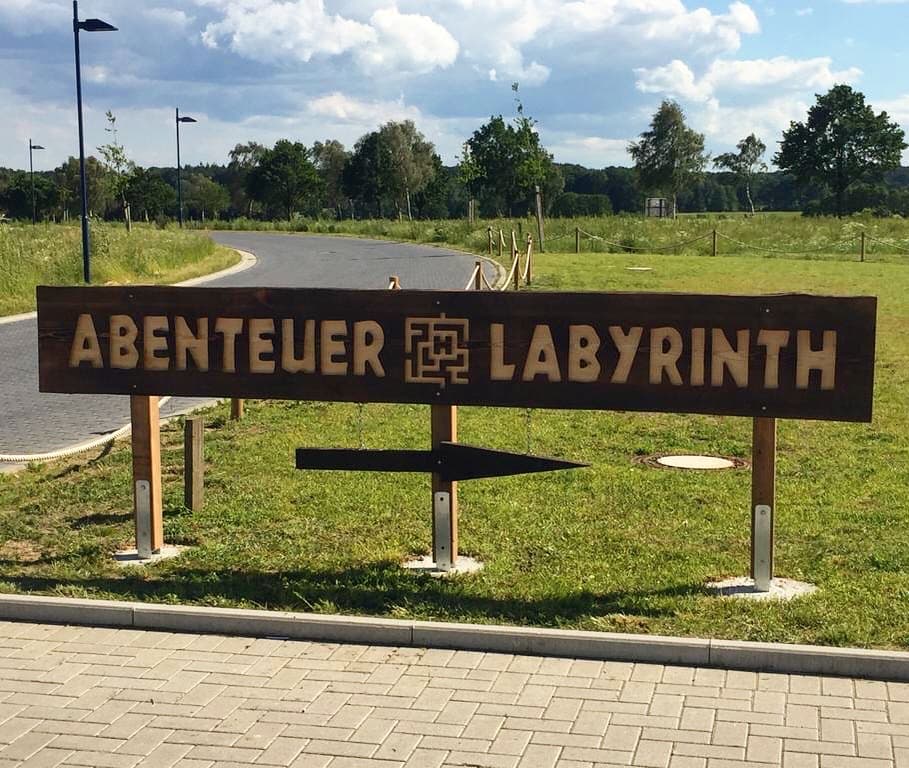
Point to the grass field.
(52, 255)
(779, 235)
(618, 546)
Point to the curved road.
(32, 422)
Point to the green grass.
(618, 546)
(52, 255)
(776, 235)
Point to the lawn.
(770, 235)
(619, 546)
(49, 254)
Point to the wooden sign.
(792, 356)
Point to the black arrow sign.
(451, 461)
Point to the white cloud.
(172, 17)
(417, 36)
(407, 42)
(592, 151)
(733, 75)
(284, 31)
(767, 119)
(804, 11)
(369, 114)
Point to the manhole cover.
(689, 461)
(696, 462)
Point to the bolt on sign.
(788, 356)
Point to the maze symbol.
(436, 350)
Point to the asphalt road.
(33, 422)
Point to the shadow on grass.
(382, 589)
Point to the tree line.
(843, 158)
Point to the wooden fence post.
(478, 279)
(237, 406)
(146, 442)
(862, 254)
(539, 196)
(529, 260)
(193, 463)
(501, 243)
(714, 252)
(489, 239)
(444, 492)
(763, 494)
(577, 239)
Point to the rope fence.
(861, 239)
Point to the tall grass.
(52, 255)
(770, 235)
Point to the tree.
(203, 195)
(16, 198)
(284, 178)
(670, 155)
(510, 161)
(842, 142)
(243, 158)
(330, 157)
(99, 194)
(405, 162)
(361, 179)
(119, 168)
(150, 194)
(468, 177)
(744, 164)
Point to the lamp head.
(96, 25)
(187, 120)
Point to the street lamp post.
(31, 173)
(184, 119)
(88, 25)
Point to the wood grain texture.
(146, 443)
(193, 463)
(683, 353)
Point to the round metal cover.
(696, 462)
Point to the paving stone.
(460, 708)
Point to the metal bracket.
(763, 555)
(143, 519)
(441, 527)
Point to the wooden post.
(501, 243)
(577, 239)
(763, 492)
(514, 245)
(489, 239)
(517, 270)
(237, 406)
(539, 195)
(444, 509)
(146, 440)
(862, 254)
(714, 251)
(529, 259)
(478, 278)
(193, 463)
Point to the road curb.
(606, 646)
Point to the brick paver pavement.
(76, 696)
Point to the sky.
(591, 72)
